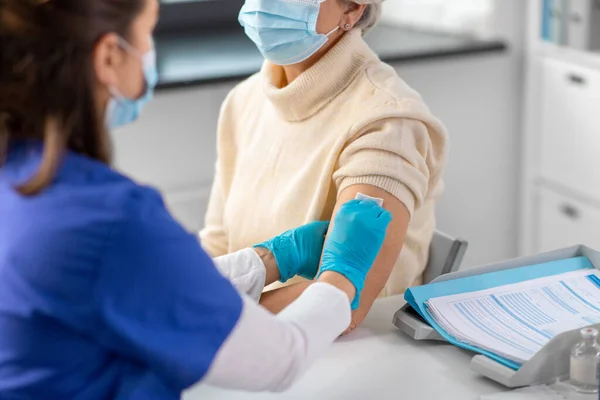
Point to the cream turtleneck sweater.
(285, 153)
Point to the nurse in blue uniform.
(102, 294)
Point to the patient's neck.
(292, 72)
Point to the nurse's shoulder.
(63, 232)
(96, 264)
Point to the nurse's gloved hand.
(355, 241)
(298, 251)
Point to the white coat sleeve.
(245, 270)
(265, 352)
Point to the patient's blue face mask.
(122, 111)
(285, 31)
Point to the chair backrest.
(445, 256)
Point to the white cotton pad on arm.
(360, 196)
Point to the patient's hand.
(358, 317)
(350, 328)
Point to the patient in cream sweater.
(297, 141)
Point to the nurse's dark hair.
(47, 79)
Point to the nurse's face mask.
(285, 31)
(122, 111)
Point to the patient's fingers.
(350, 328)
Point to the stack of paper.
(510, 315)
(515, 321)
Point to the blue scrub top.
(102, 294)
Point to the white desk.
(379, 362)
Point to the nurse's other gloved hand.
(355, 241)
(298, 251)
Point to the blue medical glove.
(354, 242)
(298, 251)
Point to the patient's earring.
(347, 27)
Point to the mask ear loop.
(332, 31)
(115, 93)
(124, 44)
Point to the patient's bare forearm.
(278, 299)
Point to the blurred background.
(517, 83)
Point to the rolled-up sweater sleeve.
(396, 155)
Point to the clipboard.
(551, 363)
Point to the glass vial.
(585, 361)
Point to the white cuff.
(245, 270)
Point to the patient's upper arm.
(400, 161)
(396, 231)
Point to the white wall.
(476, 98)
(480, 100)
(469, 16)
(173, 147)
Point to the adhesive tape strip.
(360, 196)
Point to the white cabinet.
(561, 144)
(562, 222)
(570, 126)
